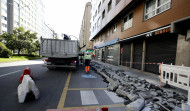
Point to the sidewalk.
(150, 77)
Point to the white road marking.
(114, 97)
(9, 73)
(88, 97)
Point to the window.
(4, 31)
(99, 7)
(99, 22)
(109, 5)
(3, 10)
(108, 33)
(4, 18)
(3, 2)
(16, 23)
(117, 1)
(128, 21)
(155, 7)
(103, 14)
(16, 4)
(4, 25)
(110, 53)
(114, 28)
(102, 37)
(95, 14)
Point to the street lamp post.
(51, 30)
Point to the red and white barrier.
(27, 71)
(25, 87)
(178, 76)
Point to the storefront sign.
(161, 31)
(158, 31)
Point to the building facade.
(141, 34)
(85, 44)
(3, 13)
(26, 13)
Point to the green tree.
(30, 42)
(9, 41)
(24, 39)
(20, 39)
(56, 37)
(4, 51)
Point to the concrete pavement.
(57, 89)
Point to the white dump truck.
(59, 53)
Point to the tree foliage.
(4, 51)
(20, 40)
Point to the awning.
(114, 41)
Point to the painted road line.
(64, 93)
(97, 106)
(9, 73)
(113, 96)
(87, 88)
(88, 97)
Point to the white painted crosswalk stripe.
(88, 97)
(114, 97)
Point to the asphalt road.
(59, 89)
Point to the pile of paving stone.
(140, 95)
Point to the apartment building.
(3, 13)
(26, 13)
(85, 44)
(141, 34)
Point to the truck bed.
(59, 48)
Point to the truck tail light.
(46, 60)
(73, 61)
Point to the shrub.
(2, 46)
(4, 51)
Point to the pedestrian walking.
(87, 59)
(81, 56)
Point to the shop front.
(108, 52)
(147, 51)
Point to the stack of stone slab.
(140, 95)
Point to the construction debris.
(140, 94)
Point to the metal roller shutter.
(137, 57)
(160, 48)
(125, 57)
